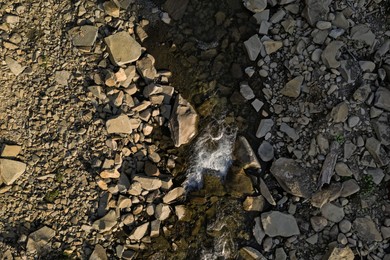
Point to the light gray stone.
(123, 48)
(264, 127)
(253, 47)
(330, 53)
(255, 6)
(362, 32)
(246, 91)
(377, 152)
(272, 46)
(105, 223)
(285, 128)
(266, 151)
(350, 187)
(258, 231)
(332, 212)
(276, 223)
(316, 10)
(120, 125)
(343, 170)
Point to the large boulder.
(183, 123)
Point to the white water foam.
(212, 153)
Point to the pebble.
(266, 151)
(332, 212)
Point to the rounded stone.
(266, 151)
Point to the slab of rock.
(377, 152)
(276, 223)
(11, 170)
(264, 127)
(120, 125)
(183, 123)
(316, 10)
(293, 87)
(123, 48)
(176, 8)
(162, 212)
(255, 6)
(99, 253)
(362, 32)
(266, 151)
(14, 66)
(366, 230)
(328, 56)
(332, 212)
(253, 46)
(38, 240)
(11, 150)
(105, 223)
(84, 36)
(337, 252)
(382, 98)
(293, 178)
(114, 174)
(244, 153)
(148, 183)
(139, 232)
(173, 194)
(339, 113)
(325, 195)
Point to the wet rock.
(328, 56)
(272, 46)
(336, 252)
(99, 253)
(264, 127)
(276, 223)
(246, 91)
(84, 36)
(339, 113)
(382, 98)
(11, 170)
(145, 67)
(350, 187)
(255, 6)
(123, 48)
(174, 194)
(148, 183)
(332, 212)
(244, 154)
(139, 232)
(176, 8)
(183, 123)
(366, 230)
(120, 125)
(316, 10)
(379, 154)
(362, 32)
(38, 240)
(14, 66)
(292, 178)
(293, 87)
(253, 47)
(11, 150)
(318, 223)
(266, 151)
(105, 223)
(254, 203)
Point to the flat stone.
(11, 170)
(293, 87)
(123, 48)
(255, 6)
(336, 252)
(11, 150)
(105, 223)
(278, 16)
(264, 127)
(183, 123)
(62, 77)
(246, 91)
(285, 128)
(139, 232)
(119, 125)
(38, 240)
(254, 203)
(382, 98)
(339, 113)
(328, 56)
(318, 223)
(350, 187)
(173, 195)
(332, 212)
(293, 178)
(323, 25)
(377, 152)
(280, 254)
(266, 151)
(253, 46)
(148, 183)
(111, 9)
(84, 36)
(99, 253)
(366, 230)
(276, 223)
(316, 10)
(114, 174)
(377, 175)
(145, 67)
(14, 66)
(272, 46)
(362, 32)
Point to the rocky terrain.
(195, 129)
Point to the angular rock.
(293, 87)
(336, 252)
(238, 183)
(362, 93)
(258, 231)
(155, 228)
(110, 174)
(146, 69)
(377, 175)
(11, 150)
(244, 154)
(339, 113)
(14, 66)
(382, 98)
(366, 230)
(325, 195)
(381, 127)
(332, 212)
(264, 127)
(266, 151)
(162, 212)
(276, 223)
(316, 10)
(285, 128)
(330, 53)
(139, 232)
(62, 77)
(111, 9)
(99, 253)
(11, 170)
(148, 183)
(253, 47)
(377, 152)
(266, 193)
(272, 46)
(105, 223)
(174, 194)
(246, 91)
(292, 178)
(183, 123)
(327, 170)
(255, 6)
(123, 48)
(120, 125)
(362, 32)
(38, 240)
(84, 36)
(350, 187)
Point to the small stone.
(323, 25)
(374, 147)
(312, 239)
(148, 183)
(350, 187)
(264, 127)
(250, 253)
(272, 46)
(339, 113)
(11, 19)
(146, 68)
(253, 46)
(289, 131)
(244, 154)
(62, 77)
(280, 254)
(278, 16)
(316, 10)
(84, 36)
(11, 170)
(162, 212)
(318, 223)
(276, 223)
(343, 170)
(257, 104)
(119, 124)
(11, 150)
(254, 203)
(123, 48)
(377, 175)
(293, 87)
(99, 253)
(155, 228)
(38, 240)
(176, 8)
(139, 232)
(173, 195)
(266, 193)
(266, 151)
(362, 93)
(114, 174)
(353, 121)
(332, 212)
(246, 91)
(329, 54)
(258, 231)
(362, 32)
(366, 230)
(14, 66)
(345, 226)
